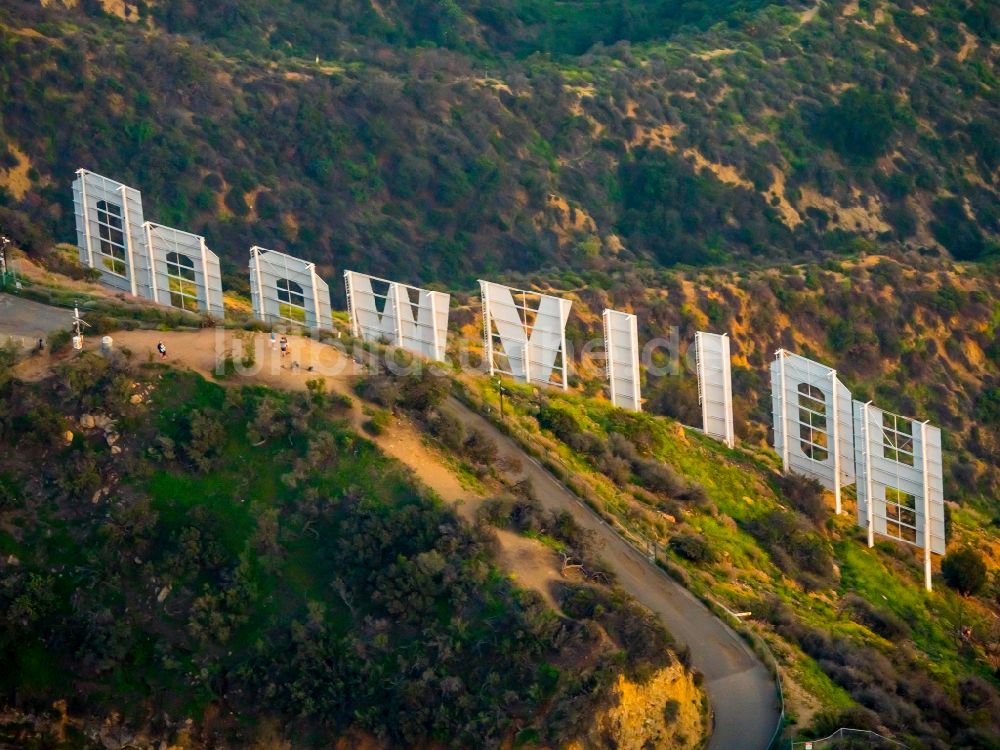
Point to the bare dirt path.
(531, 564)
(740, 688)
(306, 360)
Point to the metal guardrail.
(845, 733)
(760, 647)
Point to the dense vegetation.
(478, 27)
(238, 555)
(856, 141)
(438, 141)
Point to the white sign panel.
(186, 274)
(286, 288)
(715, 385)
(813, 421)
(109, 232)
(371, 303)
(411, 318)
(900, 478)
(621, 348)
(524, 333)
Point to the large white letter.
(900, 480)
(283, 287)
(813, 421)
(530, 329)
(715, 385)
(109, 232)
(621, 348)
(409, 317)
(185, 273)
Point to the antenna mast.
(78, 326)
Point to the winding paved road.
(741, 690)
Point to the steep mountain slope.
(782, 133)
(201, 566)
(855, 141)
(483, 28)
(857, 640)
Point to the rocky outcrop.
(667, 711)
(127, 10)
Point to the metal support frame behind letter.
(411, 318)
(531, 337)
(813, 421)
(901, 456)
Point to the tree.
(860, 125)
(964, 571)
(805, 495)
(954, 229)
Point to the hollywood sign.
(820, 431)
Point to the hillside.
(202, 566)
(443, 142)
(859, 643)
(368, 562)
(917, 334)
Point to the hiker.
(273, 341)
(161, 349)
(284, 346)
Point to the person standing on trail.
(161, 349)
(284, 346)
(273, 341)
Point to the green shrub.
(879, 620)
(378, 422)
(671, 710)
(560, 421)
(799, 551)
(480, 448)
(806, 496)
(381, 389)
(965, 571)
(59, 340)
(521, 513)
(693, 547)
(446, 426)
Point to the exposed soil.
(531, 564)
